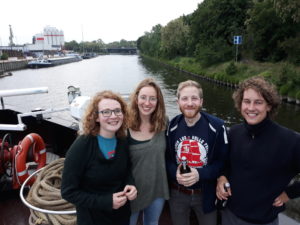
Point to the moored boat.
(41, 62)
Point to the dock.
(11, 65)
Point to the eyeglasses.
(150, 98)
(108, 112)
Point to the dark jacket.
(89, 180)
(218, 150)
(263, 160)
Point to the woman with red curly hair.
(96, 176)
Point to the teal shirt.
(107, 146)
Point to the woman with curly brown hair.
(97, 177)
(147, 145)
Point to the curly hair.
(266, 89)
(189, 83)
(90, 125)
(158, 117)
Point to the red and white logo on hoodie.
(194, 149)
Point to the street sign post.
(237, 40)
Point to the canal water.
(121, 73)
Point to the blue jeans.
(151, 214)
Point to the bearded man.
(202, 139)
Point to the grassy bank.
(285, 76)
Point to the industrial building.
(50, 40)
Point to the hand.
(221, 193)
(187, 179)
(130, 192)
(281, 199)
(119, 199)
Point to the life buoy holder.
(39, 153)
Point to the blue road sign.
(237, 40)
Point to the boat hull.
(53, 61)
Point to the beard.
(191, 112)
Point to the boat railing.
(26, 91)
(65, 212)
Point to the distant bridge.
(122, 50)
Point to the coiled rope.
(45, 194)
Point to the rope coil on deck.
(45, 193)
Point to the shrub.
(4, 56)
(284, 89)
(292, 93)
(231, 69)
(298, 97)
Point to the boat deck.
(14, 212)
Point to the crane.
(11, 36)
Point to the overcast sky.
(88, 20)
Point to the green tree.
(72, 45)
(265, 30)
(174, 38)
(288, 9)
(150, 42)
(213, 26)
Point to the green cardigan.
(89, 181)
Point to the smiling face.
(147, 101)
(111, 124)
(189, 102)
(254, 107)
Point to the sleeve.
(74, 168)
(293, 190)
(171, 164)
(220, 152)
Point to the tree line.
(97, 46)
(270, 31)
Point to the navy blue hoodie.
(210, 134)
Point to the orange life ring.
(39, 152)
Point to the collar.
(256, 129)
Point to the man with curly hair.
(264, 158)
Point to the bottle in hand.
(184, 166)
(221, 204)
